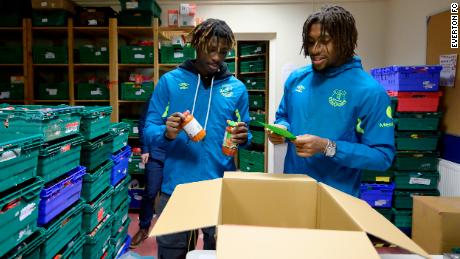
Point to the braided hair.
(340, 25)
(204, 34)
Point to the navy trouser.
(176, 246)
(153, 179)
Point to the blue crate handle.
(74, 176)
(123, 153)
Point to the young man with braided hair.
(207, 89)
(340, 114)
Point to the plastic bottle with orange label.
(192, 127)
(228, 147)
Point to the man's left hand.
(309, 145)
(240, 133)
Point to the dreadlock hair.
(203, 34)
(340, 25)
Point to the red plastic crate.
(417, 101)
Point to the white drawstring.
(209, 102)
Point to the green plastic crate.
(95, 151)
(417, 141)
(95, 121)
(136, 92)
(377, 176)
(52, 121)
(49, 54)
(251, 49)
(254, 83)
(120, 215)
(133, 129)
(251, 161)
(231, 66)
(387, 213)
(59, 157)
(135, 165)
(135, 18)
(252, 66)
(141, 5)
(403, 199)
(93, 55)
(256, 101)
(258, 137)
(98, 241)
(256, 117)
(96, 91)
(407, 180)
(119, 239)
(19, 213)
(171, 55)
(95, 182)
(416, 161)
(136, 55)
(120, 133)
(74, 249)
(120, 193)
(61, 230)
(11, 55)
(53, 91)
(402, 218)
(417, 121)
(18, 159)
(11, 91)
(49, 18)
(11, 19)
(30, 247)
(96, 211)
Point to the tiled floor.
(149, 246)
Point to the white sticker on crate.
(178, 55)
(258, 50)
(132, 5)
(44, 4)
(92, 22)
(416, 180)
(4, 95)
(380, 203)
(25, 233)
(135, 130)
(137, 197)
(71, 127)
(27, 210)
(139, 56)
(139, 92)
(51, 91)
(103, 48)
(96, 92)
(141, 166)
(97, 53)
(44, 20)
(10, 154)
(50, 55)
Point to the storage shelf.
(135, 32)
(92, 101)
(253, 56)
(187, 29)
(135, 65)
(51, 101)
(11, 101)
(51, 65)
(11, 65)
(251, 73)
(128, 101)
(11, 29)
(256, 90)
(91, 29)
(91, 65)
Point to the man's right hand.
(173, 123)
(145, 158)
(275, 138)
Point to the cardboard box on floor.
(436, 223)
(279, 216)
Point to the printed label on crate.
(66, 148)
(139, 56)
(132, 5)
(51, 91)
(97, 53)
(92, 22)
(10, 154)
(27, 210)
(44, 20)
(44, 4)
(139, 92)
(25, 232)
(416, 180)
(96, 92)
(141, 166)
(178, 55)
(258, 50)
(50, 55)
(379, 203)
(100, 214)
(4, 95)
(135, 130)
(382, 179)
(103, 48)
(125, 217)
(72, 127)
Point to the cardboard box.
(173, 16)
(436, 223)
(279, 216)
(67, 5)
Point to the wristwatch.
(330, 149)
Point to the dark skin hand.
(240, 133)
(173, 123)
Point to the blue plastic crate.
(59, 196)
(125, 248)
(120, 167)
(449, 149)
(377, 195)
(408, 78)
(136, 198)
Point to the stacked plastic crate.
(417, 134)
(138, 12)
(136, 187)
(58, 207)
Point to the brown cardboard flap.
(248, 242)
(191, 206)
(265, 176)
(373, 222)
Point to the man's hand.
(275, 138)
(173, 123)
(145, 158)
(240, 133)
(309, 145)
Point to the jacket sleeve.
(243, 110)
(375, 130)
(155, 121)
(141, 126)
(281, 116)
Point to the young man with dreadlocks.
(207, 89)
(340, 115)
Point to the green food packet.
(279, 131)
